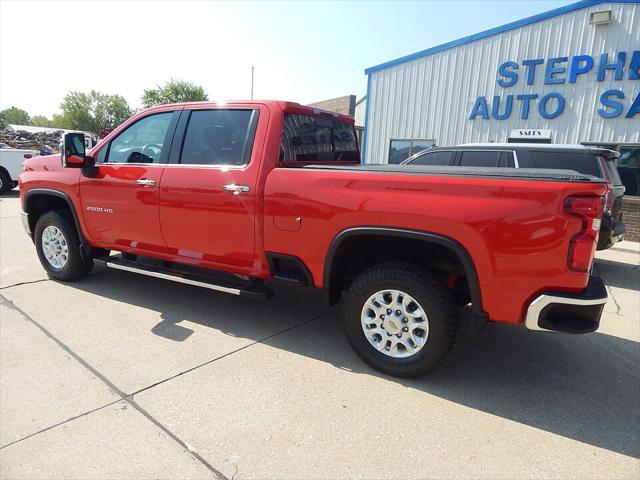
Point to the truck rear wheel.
(58, 246)
(400, 319)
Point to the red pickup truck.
(234, 196)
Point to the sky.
(303, 51)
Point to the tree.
(41, 121)
(91, 111)
(15, 116)
(174, 91)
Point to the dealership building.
(570, 75)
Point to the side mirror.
(73, 151)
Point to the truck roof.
(555, 147)
(285, 106)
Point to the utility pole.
(251, 82)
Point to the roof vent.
(600, 18)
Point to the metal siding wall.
(360, 111)
(432, 97)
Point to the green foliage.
(174, 91)
(15, 116)
(91, 111)
(41, 121)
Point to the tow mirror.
(73, 152)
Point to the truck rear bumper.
(570, 313)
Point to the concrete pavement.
(120, 376)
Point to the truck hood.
(47, 163)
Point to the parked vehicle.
(11, 166)
(235, 196)
(599, 162)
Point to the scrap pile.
(32, 141)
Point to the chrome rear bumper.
(570, 313)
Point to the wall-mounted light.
(600, 18)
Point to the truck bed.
(486, 172)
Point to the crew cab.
(236, 196)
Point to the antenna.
(251, 82)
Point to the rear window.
(308, 139)
(585, 163)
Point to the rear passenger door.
(208, 190)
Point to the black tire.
(5, 182)
(75, 266)
(435, 299)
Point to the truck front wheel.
(58, 246)
(400, 319)
(5, 181)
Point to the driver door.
(120, 205)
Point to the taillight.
(608, 200)
(28, 156)
(583, 245)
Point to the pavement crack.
(70, 419)
(610, 290)
(25, 283)
(208, 362)
(123, 396)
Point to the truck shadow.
(585, 388)
(619, 274)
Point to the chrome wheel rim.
(394, 323)
(55, 246)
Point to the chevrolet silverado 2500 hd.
(235, 196)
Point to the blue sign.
(559, 71)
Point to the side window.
(479, 158)
(102, 154)
(142, 142)
(219, 137)
(506, 160)
(433, 158)
(580, 162)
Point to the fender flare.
(456, 248)
(85, 247)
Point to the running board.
(258, 291)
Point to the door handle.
(147, 182)
(236, 189)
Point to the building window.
(629, 168)
(628, 165)
(401, 149)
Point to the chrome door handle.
(236, 189)
(147, 182)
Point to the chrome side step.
(189, 278)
